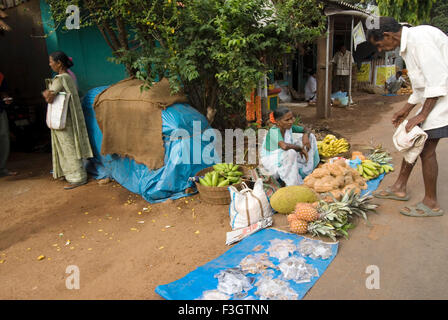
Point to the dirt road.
(124, 252)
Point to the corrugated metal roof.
(346, 5)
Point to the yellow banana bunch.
(332, 146)
(370, 170)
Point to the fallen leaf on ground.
(2, 261)
(161, 248)
(197, 232)
(86, 213)
(67, 243)
(41, 257)
(100, 230)
(133, 229)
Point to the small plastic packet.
(214, 295)
(256, 263)
(233, 281)
(281, 249)
(295, 268)
(315, 249)
(274, 289)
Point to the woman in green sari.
(71, 144)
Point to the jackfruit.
(284, 200)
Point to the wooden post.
(324, 74)
(321, 68)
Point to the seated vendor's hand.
(304, 154)
(306, 142)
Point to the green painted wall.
(89, 51)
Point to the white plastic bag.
(57, 111)
(248, 206)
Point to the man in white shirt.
(311, 88)
(425, 51)
(394, 83)
(344, 62)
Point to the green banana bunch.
(380, 155)
(224, 174)
(370, 170)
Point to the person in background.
(311, 88)
(5, 101)
(289, 152)
(71, 144)
(343, 60)
(394, 83)
(425, 51)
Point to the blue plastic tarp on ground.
(169, 181)
(203, 278)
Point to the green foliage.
(216, 50)
(439, 15)
(412, 11)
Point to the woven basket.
(218, 195)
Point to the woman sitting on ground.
(71, 144)
(289, 152)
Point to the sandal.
(421, 210)
(74, 185)
(389, 194)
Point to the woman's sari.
(71, 144)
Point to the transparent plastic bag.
(214, 295)
(233, 281)
(274, 289)
(295, 268)
(281, 249)
(315, 249)
(256, 263)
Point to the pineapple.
(306, 212)
(298, 226)
(336, 215)
(292, 217)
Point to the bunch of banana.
(224, 174)
(332, 146)
(381, 156)
(369, 169)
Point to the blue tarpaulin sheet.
(169, 181)
(203, 278)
